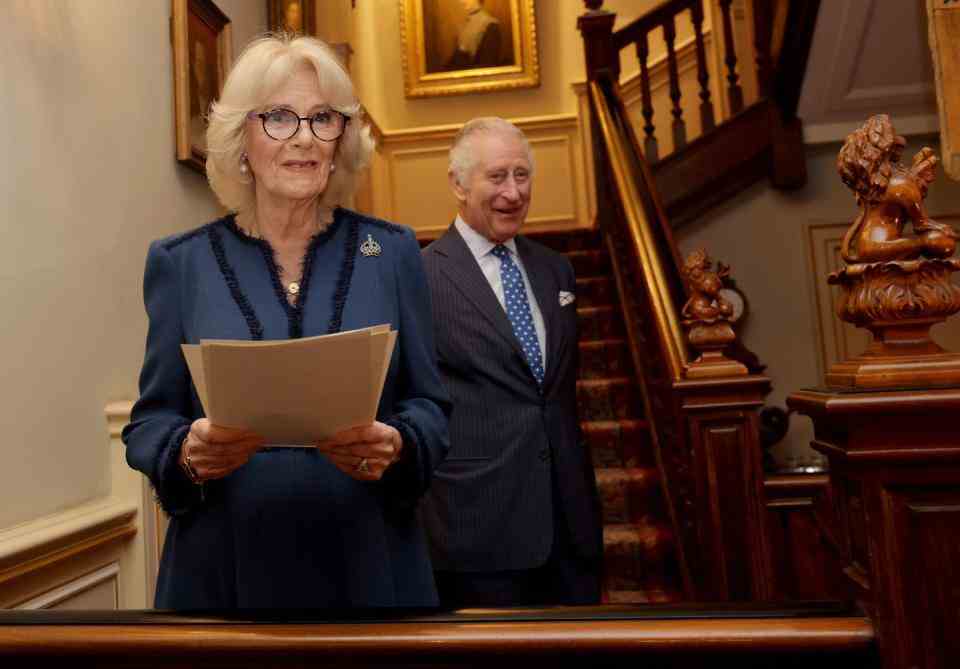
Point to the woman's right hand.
(213, 451)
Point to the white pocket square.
(566, 297)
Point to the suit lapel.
(547, 294)
(464, 273)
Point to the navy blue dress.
(288, 529)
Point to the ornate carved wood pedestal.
(898, 302)
(895, 468)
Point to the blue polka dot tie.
(518, 311)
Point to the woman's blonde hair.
(265, 65)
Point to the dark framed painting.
(292, 16)
(202, 54)
(452, 47)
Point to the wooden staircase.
(639, 550)
(745, 135)
(695, 525)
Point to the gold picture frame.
(202, 54)
(292, 16)
(450, 48)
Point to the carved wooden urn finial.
(706, 317)
(896, 285)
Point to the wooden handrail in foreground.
(510, 637)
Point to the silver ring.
(362, 466)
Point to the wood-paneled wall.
(408, 179)
(94, 555)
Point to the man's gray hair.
(462, 156)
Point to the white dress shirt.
(482, 248)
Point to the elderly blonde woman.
(255, 526)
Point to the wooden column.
(895, 469)
(719, 402)
(732, 560)
(600, 52)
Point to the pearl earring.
(244, 167)
(333, 168)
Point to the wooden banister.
(705, 430)
(782, 37)
(657, 17)
(627, 173)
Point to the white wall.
(87, 179)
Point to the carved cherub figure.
(705, 304)
(889, 196)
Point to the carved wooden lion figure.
(705, 304)
(889, 195)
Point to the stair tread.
(639, 527)
(638, 540)
(599, 343)
(617, 474)
(613, 380)
(603, 425)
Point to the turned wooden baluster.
(650, 148)
(679, 126)
(734, 92)
(763, 35)
(706, 106)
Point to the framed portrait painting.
(452, 47)
(202, 54)
(292, 16)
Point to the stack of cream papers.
(293, 392)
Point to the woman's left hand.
(365, 452)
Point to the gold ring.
(362, 466)
(190, 471)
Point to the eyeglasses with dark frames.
(282, 124)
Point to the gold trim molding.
(449, 130)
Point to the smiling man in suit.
(513, 513)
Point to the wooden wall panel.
(807, 563)
(409, 185)
(924, 527)
(98, 590)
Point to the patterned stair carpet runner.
(639, 556)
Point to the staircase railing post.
(602, 60)
(886, 419)
(596, 27)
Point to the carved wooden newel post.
(887, 419)
(719, 401)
